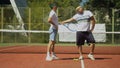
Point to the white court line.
(12, 48)
(82, 63)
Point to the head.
(79, 9)
(53, 6)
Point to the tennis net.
(36, 36)
(14, 41)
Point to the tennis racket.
(71, 26)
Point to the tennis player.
(84, 18)
(53, 20)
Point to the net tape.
(38, 31)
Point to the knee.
(92, 44)
(52, 42)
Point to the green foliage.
(45, 3)
(39, 12)
(117, 4)
(105, 3)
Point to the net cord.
(38, 31)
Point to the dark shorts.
(82, 36)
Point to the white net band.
(38, 31)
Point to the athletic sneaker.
(54, 56)
(91, 57)
(81, 58)
(48, 58)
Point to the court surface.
(34, 57)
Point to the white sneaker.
(48, 58)
(91, 57)
(81, 58)
(54, 57)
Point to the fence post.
(57, 37)
(2, 16)
(113, 21)
(29, 24)
(43, 24)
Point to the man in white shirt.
(84, 18)
(53, 20)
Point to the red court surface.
(34, 57)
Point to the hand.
(91, 30)
(62, 22)
(56, 27)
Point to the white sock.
(53, 53)
(48, 53)
(90, 54)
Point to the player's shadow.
(67, 58)
(84, 58)
(102, 58)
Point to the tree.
(105, 3)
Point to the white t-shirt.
(54, 17)
(83, 20)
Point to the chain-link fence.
(36, 19)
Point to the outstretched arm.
(68, 20)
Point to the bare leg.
(49, 49)
(53, 47)
(80, 50)
(50, 46)
(53, 55)
(90, 55)
(92, 48)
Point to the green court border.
(45, 44)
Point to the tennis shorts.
(81, 36)
(53, 33)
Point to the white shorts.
(53, 33)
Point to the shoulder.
(87, 11)
(76, 15)
(52, 12)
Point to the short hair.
(51, 5)
(78, 8)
